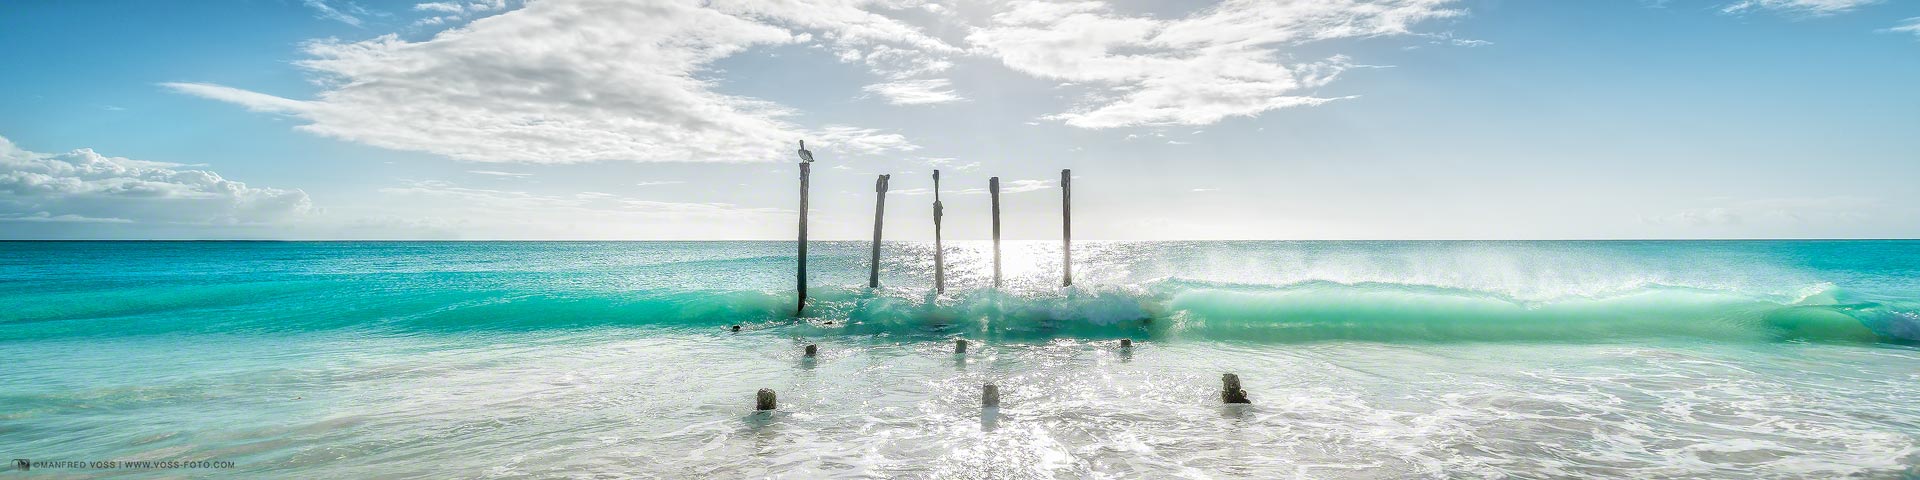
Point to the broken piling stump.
(990, 396)
(1230, 391)
(764, 400)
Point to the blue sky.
(1285, 119)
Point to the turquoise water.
(1781, 359)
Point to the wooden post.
(939, 257)
(960, 346)
(993, 189)
(764, 400)
(1066, 227)
(812, 350)
(806, 169)
(1230, 391)
(1126, 343)
(990, 395)
(879, 213)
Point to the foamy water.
(1363, 360)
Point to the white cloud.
(1014, 186)
(322, 10)
(252, 101)
(497, 173)
(1217, 63)
(1912, 26)
(452, 11)
(916, 92)
(1800, 7)
(567, 81)
(660, 182)
(84, 186)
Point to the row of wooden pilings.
(1230, 389)
(765, 399)
(939, 254)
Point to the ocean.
(1527, 359)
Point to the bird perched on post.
(805, 156)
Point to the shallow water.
(1363, 359)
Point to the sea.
(1361, 359)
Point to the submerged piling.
(879, 214)
(939, 256)
(806, 170)
(764, 400)
(990, 396)
(1126, 343)
(1230, 391)
(993, 189)
(1066, 227)
(812, 350)
(960, 346)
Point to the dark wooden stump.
(764, 400)
(1230, 391)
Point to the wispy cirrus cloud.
(497, 173)
(1909, 26)
(324, 10)
(1220, 62)
(1011, 186)
(1797, 7)
(916, 92)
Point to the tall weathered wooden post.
(993, 189)
(1066, 227)
(806, 170)
(879, 214)
(939, 255)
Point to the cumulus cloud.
(453, 11)
(1217, 63)
(87, 187)
(1800, 7)
(567, 81)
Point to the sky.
(1235, 119)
